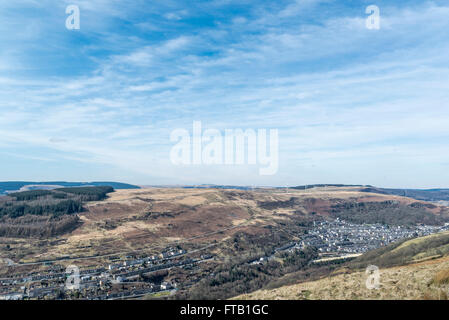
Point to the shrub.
(441, 277)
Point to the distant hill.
(46, 213)
(214, 186)
(9, 186)
(310, 186)
(418, 194)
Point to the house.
(12, 296)
(166, 286)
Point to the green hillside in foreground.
(405, 252)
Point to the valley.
(207, 243)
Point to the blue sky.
(351, 105)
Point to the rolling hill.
(244, 239)
(409, 269)
(10, 186)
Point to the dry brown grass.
(442, 277)
(137, 218)
(404, 283)
(438, 294)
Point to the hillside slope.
(424, 275)
(244, 236)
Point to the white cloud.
(335, 90)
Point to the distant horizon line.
(50, 182)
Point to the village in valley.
(130, 277)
